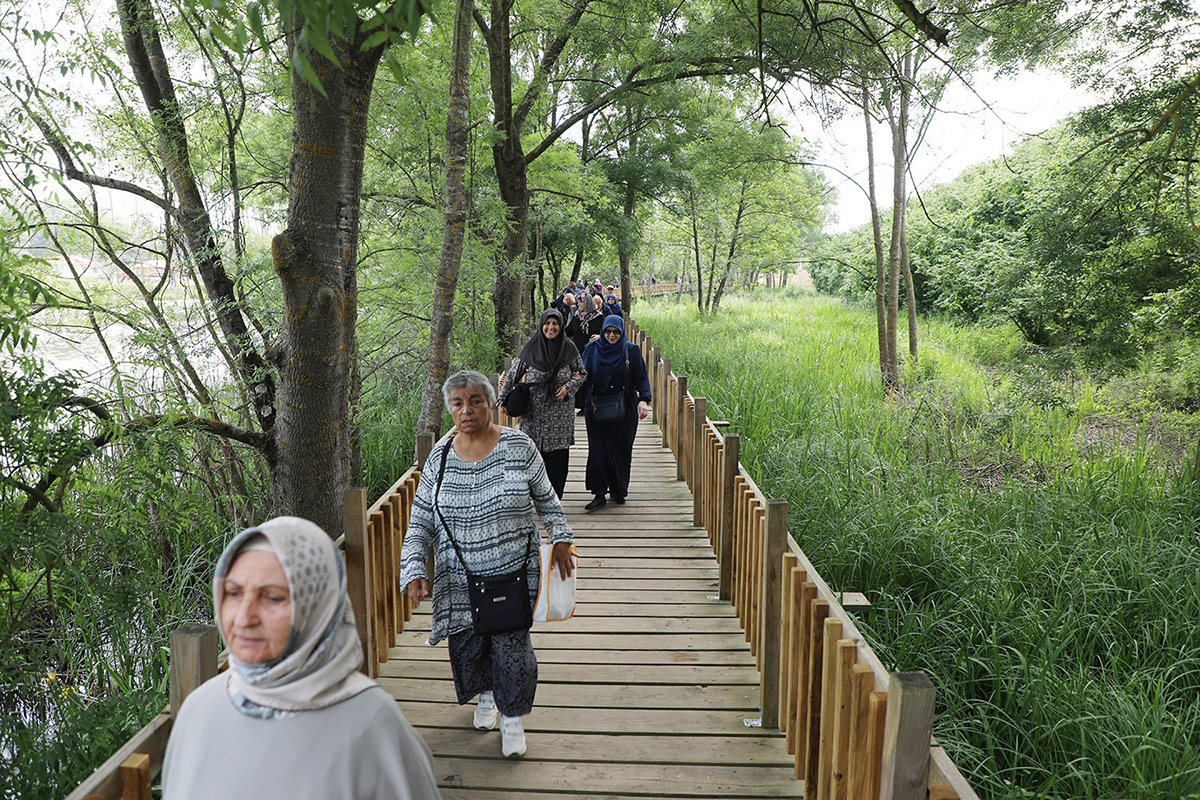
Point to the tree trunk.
(512, 179)
(877, 239)
(316, 258)
(696, 253)
(457, 130)
(625, 245)
(910, 297)
(898, 122)
(149, 63)
(733, 243)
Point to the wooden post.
(193, 660)
(847, 652)
(811, 732)
(135, 777)
(424, 445)
(359, 576)
(788, 616)
(677, 433)
(655, 381)
(906, 735)
(668, 406)
(725, 551)
(862, 680)
(828, 701)
(699, 459)
(771, 647)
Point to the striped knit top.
(489, 504)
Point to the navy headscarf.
(602, 357)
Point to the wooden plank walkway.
(643, 694)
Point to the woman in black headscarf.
(550, 362)
(618, 396)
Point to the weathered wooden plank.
(619, 625)
(614, 749)
(603, 641)
(911, 699)
(573, 719)
(615, 695)
(672, 571)
(546, 655)
(684, 780)
(550, 672)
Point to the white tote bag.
(556, 594)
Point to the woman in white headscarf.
(292, 717)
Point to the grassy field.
(1042, 568)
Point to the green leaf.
(320, 42)
(394, 67)
(301, 64)
(221, 35)
(375, 39)
(254, 15)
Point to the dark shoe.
(597, 502)
(619, 500)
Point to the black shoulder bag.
(610, 408)
(517, 402)
(499, 603)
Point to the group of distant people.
(293, 716)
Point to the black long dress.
(610, 446)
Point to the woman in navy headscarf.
(616, 375)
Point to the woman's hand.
(560, 556)
(643, 409)
(594, 337)
(561, 394)
(417, 590)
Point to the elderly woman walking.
(618, 397)
(293, 716)
(550, 363)
(474, 509)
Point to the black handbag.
(610, 408)
(499, 603)
(517, 401)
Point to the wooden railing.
(657, 289)
(854, 729)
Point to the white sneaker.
(512, 736)
(486, 712)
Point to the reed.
(1050, 590)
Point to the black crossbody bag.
(610, 408)
(517, 402)
(499, 603)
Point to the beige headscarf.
(319, 665)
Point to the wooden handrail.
(853, 727)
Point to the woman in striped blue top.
(487, 482)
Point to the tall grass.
(1051, 594)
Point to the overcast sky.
(968, 133)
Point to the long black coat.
(610, 446)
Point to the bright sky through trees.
(967, 132)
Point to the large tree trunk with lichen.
(512, 179)
(457, 128)
(316, 259)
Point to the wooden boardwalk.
(646, 693)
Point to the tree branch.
(73, 172)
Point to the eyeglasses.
(612, 332)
